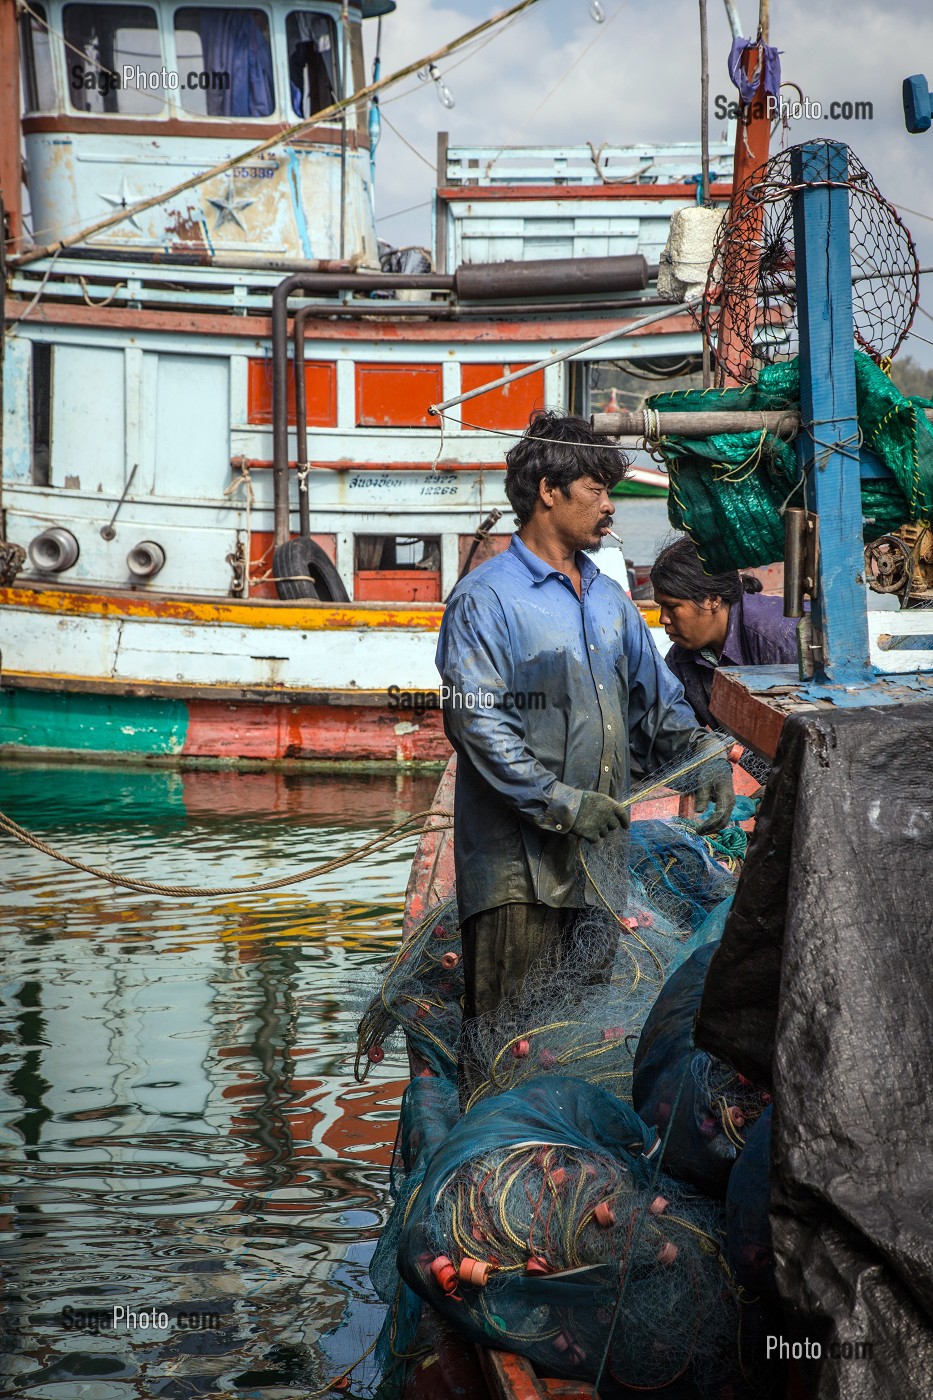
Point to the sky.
(554, 77)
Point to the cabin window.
(313, 70)
(396, 568)
(113, 58)
(224, 63)
(38, 81)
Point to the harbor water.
(182, 1135)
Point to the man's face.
(583, 517)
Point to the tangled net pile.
(752, 273)
(541, 1225)
(539, 1220)
(667, 884)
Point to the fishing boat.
(207, 559)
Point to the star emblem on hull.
(228, 208)
(124, 200)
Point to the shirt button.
(609, 727)
(592, 648)
(559, 827)
(605, 770)
(600, 685)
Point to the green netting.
(727, 490)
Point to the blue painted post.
(827, 409)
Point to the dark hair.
(678, 571)
(558, 449)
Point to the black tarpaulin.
(822, 985)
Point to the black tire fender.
(302, 570)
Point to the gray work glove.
(714, 784)
(597, 817)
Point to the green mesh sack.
(727, 490)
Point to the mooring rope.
(400, 832)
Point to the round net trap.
(749, 311)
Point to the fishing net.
(521, 1220)
(749, 312)
(748, 1225)
(703, 1107)
(542, 1226)
(566, 1020)
(421, 992)
(658, 887)
(728, 491)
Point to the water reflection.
(180, 1129)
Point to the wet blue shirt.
(758, 635)
(544, 695)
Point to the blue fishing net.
(659, 888)
(748, 1224)
(703, 1106)
(536, 1221)
(542, 1226)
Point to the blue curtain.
(235, 42)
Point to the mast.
(752, 148)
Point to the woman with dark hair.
(716, 620)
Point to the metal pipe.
(447, 311)
(795, 549)
(735, 24)
(550, 276)
(345, 23)
(301, 422)
(784, 423)
(312, 283)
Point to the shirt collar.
(540, 570)
(732, 646)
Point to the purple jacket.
(758, 635)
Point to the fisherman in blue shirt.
(551, 683)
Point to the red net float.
(341, 1383)
(521, 1048)
(475, 1271)
(558, 1176)
(569, 1350)
(630, 924)
(547, 1059)
(667, 1253)
(613, 1032)
(375, 1054)
(450, 960)
(537, 1264)
(658, 1206)
(604, 1216)
(444, 1274)
(737, 1116)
